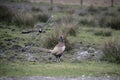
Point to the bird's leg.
(59, 59)
(56, 59)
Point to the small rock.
(2, 53)
(81, 48)
(30, 57)
(98, 54)
(91, 50)
(82, 55)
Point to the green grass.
(86, 35)
(58, 69)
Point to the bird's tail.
(45, 50)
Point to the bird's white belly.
(63, 48)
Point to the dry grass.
(103, 32)
(54, 36)
(111, 51)
(85, 2)
(6, 14)
(21, 18)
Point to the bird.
(58, 50)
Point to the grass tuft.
(87, 22)
(22, 18)
(54, 38)
(111, 51)
(115, 23)
(93, 10)
(41, 16)
(103, 32)
(6, 14)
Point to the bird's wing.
(58, 50)
(55, 50)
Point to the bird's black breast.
(57, 55)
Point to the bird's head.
(62, 38)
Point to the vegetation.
(93, 10)
(111, 51)
(104, 21)
(103, 32)
(87, 26)
(54, 37)
(58, 69)
(23, 19)
(6, 14)
(87, 22)
(110, 21)
(115, 23)
(42, 16)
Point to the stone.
(91, 50)
(82, 55)
(30, 57)
(2, 53)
